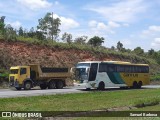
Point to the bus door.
(93, 71)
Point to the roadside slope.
(22, 53)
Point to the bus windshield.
(81, 73)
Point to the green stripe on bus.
(115, 78)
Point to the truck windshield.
(80, 73)
(14, 71)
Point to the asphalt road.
(7, 93)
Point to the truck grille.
(11, 80)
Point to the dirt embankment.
(19, 53)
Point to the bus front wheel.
(88, 89)
(101, 86)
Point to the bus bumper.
(82, 85)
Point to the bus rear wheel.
(139, 84)
(135, 85)
(101, 86)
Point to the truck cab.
(18, 75)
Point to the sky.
(135, 23)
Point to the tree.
(20, 31)
(81, 40)
(158, 57)
(66, 37)
(10, 33)
(25, 33)
(2, 25)
(96, 41)
(138, 51)
(119, 46)
(49, 26)
(55, 28)
(40, 36)
(112, 48)
(31, 33)
(152, 53)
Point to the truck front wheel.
(59, 85)
(27, 85)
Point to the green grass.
(149, 108)
(155, 77)
(116, 118)
(81, 101)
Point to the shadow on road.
(111, 89)
(83, 89)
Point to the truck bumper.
(15, 84)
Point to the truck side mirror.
(73, 69)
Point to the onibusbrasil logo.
(21, 114)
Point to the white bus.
(101, 74)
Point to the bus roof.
(115, 62)
(91, 62)
(123, 62)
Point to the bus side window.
(120, 68)
(111, 68)
(102, 67)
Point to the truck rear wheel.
(52, 85)
(43, 86)
(59, 85)
(27, 85)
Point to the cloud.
(126, 42)
(35, 4)
(125, 25)
(15, 24)
(152, 31)
(156, 43)
(92, 23)
(125, 11)
(67, 23)
(112, 24)
(102, 27)
(56, 3)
